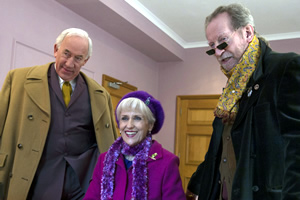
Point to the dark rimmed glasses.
(221, 46)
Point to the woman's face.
(133, 126)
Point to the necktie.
(67, 90)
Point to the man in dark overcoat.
(254, 151)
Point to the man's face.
(71, 56)
(220, 30)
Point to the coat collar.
(98, 98)
(155, 153)
(37, 88)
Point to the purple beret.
(153, 104)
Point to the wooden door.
(193, 131)
(116, 88)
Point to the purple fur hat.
(153, 104)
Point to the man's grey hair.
(240, 16)
(75, 32)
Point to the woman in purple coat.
(135, 166)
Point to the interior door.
(116, 88)
(194, 119)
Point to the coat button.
(255, 188)
(107, 125)
(20, 146)
(30, 117)
(256, 86)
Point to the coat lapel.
(156, 152)
(98, 99)
(36, 86)
(80, 85)
(54, 84)
(252, 93)
(249, 98)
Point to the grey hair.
(240, 16)
(137, 105)
(75, 32)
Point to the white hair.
(75, 32)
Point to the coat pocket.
(2, 159)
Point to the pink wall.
(290, 45)
(198, 74)
(29, 29)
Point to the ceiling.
(183, 20)
(163, 29)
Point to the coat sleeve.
(194, 183)
(204, 181)
(289, 122)
(93, 191)
(116, 135)
(4, 105)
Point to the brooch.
(147, 102)
(153, 156)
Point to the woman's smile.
(130, 133)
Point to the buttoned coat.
(265, 136)
(24, 124)
(163, 175)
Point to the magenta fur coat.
(164, 179)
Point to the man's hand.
(190, 196)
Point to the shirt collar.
(61, 81)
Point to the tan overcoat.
(24, 124)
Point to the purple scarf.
(140, 171)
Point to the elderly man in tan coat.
(49, 147)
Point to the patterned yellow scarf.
(238, 78)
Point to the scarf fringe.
(227, 116)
